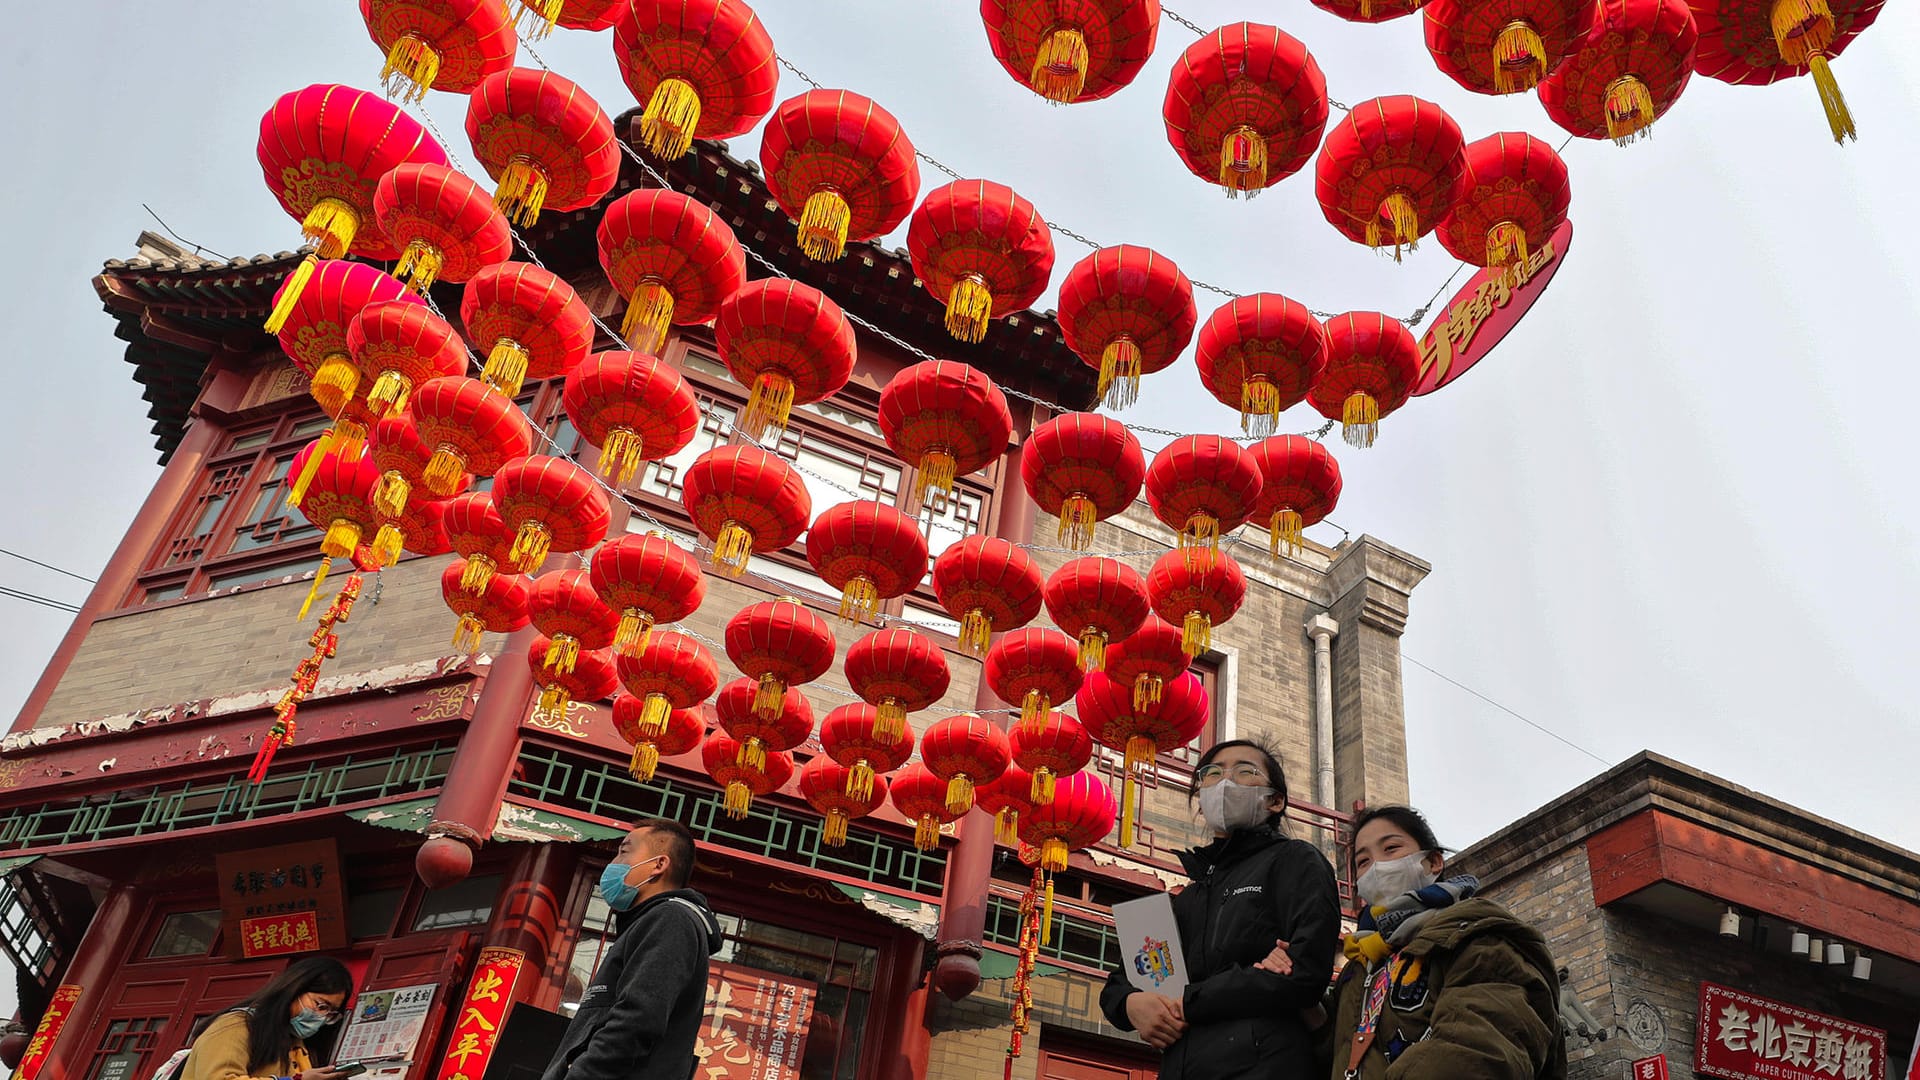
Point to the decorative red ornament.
(1513, 194)
(1036, 668)
(339, 502)
(544, 140)
(1261, 354)
(591, 678)
(704, 69)
(671, 672)
(979, 248)
(1300, 487)
(1108, 713)
(477, 533)
(445, 224)
(396, 346)
(721, 756)
(646, 580)
(1127, 311)
(672, 258)
(788, 343)
(745, 500)
(965, 751)
(1080, 816)
(549, 504)
(530, 322)
(1201, 486)
(471, 429)
(947, 420)
(781, 643)
(1756, 42)
(921, 798)
(1504, 46)
(499, 608)
(1096, 601)
(539, 17)
(826, 785)
(1628, 71)
(421, 529)
(1196, 594)
(838, 164)
(759, 730)
(325, 643)
(851, 735)
(401, 460)
(1148, 658)
(565, 608)
(322, 150)
(896, 672)
(1389, 171)
(1007, 797)
(1245, 107)
(868, 550)
(682, 733)
(438, 44)
(1057, 747)
(1082, 468)
(990, 586)
(314, 331)
(1373, 364)
(1069, 50)
(633, 407)
(1369, 11)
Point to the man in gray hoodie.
(642, 1012)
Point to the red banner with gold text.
(40, 1047)
(476, 1025)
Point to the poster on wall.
(756, 1025)
(386, 1025)
(1743, 1036)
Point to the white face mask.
(1385, 880)
(1227, 806)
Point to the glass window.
(804, 580)
(960, 515)
(835, 472)
(466, 903)
(165, 592)
(187, 933)
(253, 441)
(595, 939)
(370, 912)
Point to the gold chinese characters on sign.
(1453, 335)
(755, 1027)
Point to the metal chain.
(804, 77)
(1182, 20)
(1070, 234)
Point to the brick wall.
(970, 1036)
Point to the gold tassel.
(342, 539)
(1802, 29)
(1077, 519)
(1284, 529)
(649, 313)
(319, 579)
(1120, 372)
(1146, 690)
(646, 759)
(1839, 118)
(1399, 210)
(1060, 66)
(969, 308)
(732, 548)
(926, 833)
(1140, 755)
(553, 702)
(334, 382)
(823, 225)
(739, 799)
(411, 67)
(290, 293)
(976, 630)
(936, 473)
(654, 713)
(889, 721)
(860, 599)
(1053, 854)
(1040, 792)
(479, 572)
(630, 638)
(1093, 649)
(1196, 634)
(1259, 406)
(860, 780)
(522, 191)
(420, 265)
(562, 653)
(330, 227)
(390, 493)
(387, 544)
(1046, 913)
(349, 440)
(671, 117)
(1506, 244)
(468, 632)
(530, 546)
(1360, 419)
(1006, 826)
(1202, 533)
(833, 832)
(769, 697)
(620, 458)
(539, 17)
(1034, 708)
(297, 491)
(389, 394)
(444, 471)
(768, 405)
(752, 755)
(959, 794)
(1629, 109)
(1243, 162)
(1126, 810)
(506, 366)
(1519, 58)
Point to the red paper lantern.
(965, 751)
(340, 503)
(838, 164)
(825, 784)
(1504, 46)
(1245, 107)
(499, 608)
(704, 68)
(1260, 354)
(868, 550)
(477, 533)
(549, 504)
(396, 346)
(990, 586)
(979, 248)
(1127, 311)
(314, 331)
(1007, 797)
(591, 678)
(721, 756)
(852, 736)
(1148, 659)
(673, 260)
(1196, 594)
(671, 672)
(745, 500)
(539, 17)
(421, 529)
(682, 733)
(438, 44)
(1514, 195)
(1082, 468)
(947, 420)
(1756, 42)
(761, 731)
(471, 429)
(1071, 50)
(1300, 487)
(1036, 668)
(921, 798)
(1058, 747)
(1369, 11)
(1626, 73)
(896, 672)
(646, 580)
(401, 459)
(1080, 816)
(530, 322)
(788, 343)
(1108, 712)
(1096, 601)
(544, 140)
(565, 608)
(445, 224)
(781, 643)
(1373, 364)
(1389, 171)
(1201, 486)
(633, 407)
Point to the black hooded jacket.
(642, 1012)
(1250, 888)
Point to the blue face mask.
(308, 1023)
(614, 888)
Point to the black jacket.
(1249, 889)
(642, 1012)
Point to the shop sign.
(1653, 1068)
(1484, 310)
(482, 1011)
(756, 1025)
(282, 900)
(40, 1047)
(1742, 1036)
(278, 935)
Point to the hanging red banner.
(1488, 306)
(756, 1025)
(489, 996)
(48, 1031)
(1744, 1036)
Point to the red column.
(93, 970)
(464, 814)
(527, 917)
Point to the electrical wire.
(1542, 728)
(46, 566)
(35, 598)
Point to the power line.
(33, 598)
(1537, 727)
(47, 566)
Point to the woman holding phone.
(280, 1031)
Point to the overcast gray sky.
(1673, 511)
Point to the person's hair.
(1407, 820)
(1276, 774)
(269, 1035)
(678, 848)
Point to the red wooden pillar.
(93, 970)
(528, 915)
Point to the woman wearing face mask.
(1250, 887)
(280, 1031)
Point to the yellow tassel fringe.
(969, 308)
(411, 67)
(1519, 58)
(823, 225)
(732, 548)
(1060, 66)
(1360, 419)
(671, 117)
(1243, 162)
(420, 265)
(769, 404)
(649, 313)
(522, 191)
(1120, 373)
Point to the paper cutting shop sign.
(1743, 1036)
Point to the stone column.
(1321, 628)
(1369, 585)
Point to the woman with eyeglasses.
(1252, 886)
(280, 1031)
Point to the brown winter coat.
(221, 1051)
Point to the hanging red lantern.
(682, 733)
(788, 344)
(947, 420)
(1626, 73)
(1513, 196)
(472, 431)
(965, 751)
(721, 756)
(1373, 364)
(322, 150)
(745, 500)
(838, 164)
(780, 643)
(673, 260)
(543, 140)
(539, 17)
(979, 248)
(438, 44)
(531, 324)
(1007, 797)
(400, 459)
(565, 608)
(340, 503)
(633, 407)
(897, 672)
(1300, 486)
(703, 68)
(1148, 659)
(1245, 107)
(1096, 601)
(1068, 50)
(444, 224)
(1504, 46)
(549, 504)
(1082, 468)
(481, 538)
(1389, 171)
(868, 550)
(989, 586)
(1369, 11)
(1036, 668)
(1080, 816)
(762, 731)
(499, 608)
(1196, 594)
(591, 678)
(1126, 311)
(1201, 486)
(1108, 713)
(1756, 42)
(646, 580)
(314, 332)
(1058, 747)
(921, 798)
(1260, 354)
(852, 736)
(421, 529)
(396, 346)
(825, 784)
(671, 672)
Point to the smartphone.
(355, 1068)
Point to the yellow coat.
(221, 1052)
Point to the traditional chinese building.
(1729, 933)
(146, 882)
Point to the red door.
(1063, 1059)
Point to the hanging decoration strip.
(325, 642)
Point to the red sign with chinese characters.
(489, 996)
(756, 1025)
(1484, 310)
(1742, 1036)
(1653, 1068)
(269, 892)
(40, 1047)
(278, 935)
